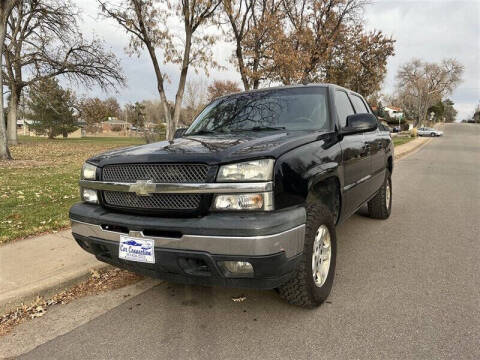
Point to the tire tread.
(297, 291)
(376, 206)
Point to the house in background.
(394, 112)
(24, 129)
(115, 125)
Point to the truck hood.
(211, 149)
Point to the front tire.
(314, 274)
(380, 207)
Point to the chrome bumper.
(289, 241)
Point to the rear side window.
(359, 105)
(344, 107)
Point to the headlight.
(256, 170)
(89, 172)
(257, 201)
(89, 195)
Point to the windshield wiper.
(266, 128)
(202, 132)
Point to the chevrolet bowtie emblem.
(143, 187)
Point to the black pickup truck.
(248, 196)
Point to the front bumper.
(188, 250)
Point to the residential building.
(394, 112)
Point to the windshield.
(269, 110)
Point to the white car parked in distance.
(423, 131)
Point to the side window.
(344, 107)
(359, 105)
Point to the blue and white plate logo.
(135, 249)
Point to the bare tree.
(255, 28)
(195, 99)
(239, 14)
(146, 23)
(154, 111)
(358, 60)
(6, 7)
(422, 84)
(298, 41)
(314, 28)
(222, 87)
(93, 111)
(44, 41)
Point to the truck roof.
(327, 85)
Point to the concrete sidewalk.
(41, 266)
(405, 149)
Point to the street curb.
(413, 149)
(18, 297)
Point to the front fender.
(300, 170)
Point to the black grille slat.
(154, 201)
(157, 173)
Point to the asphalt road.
(406, 288)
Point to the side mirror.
(359, 123)
(179, 133)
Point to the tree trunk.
(182, 82)
(6, 7)
(4, 153)
(156, 66)
(166, 108)
(12, 117)
(241, 66)
(161, 91)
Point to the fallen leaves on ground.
(98, 282)
(240, 298)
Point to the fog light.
(237, 267)
(239, 202)
(89, 195)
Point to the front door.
(375, 149)
(356, 165)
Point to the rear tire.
(380, 206)
(432, 134)
(310, 288)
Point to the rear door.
(356, 164)
(375, 148)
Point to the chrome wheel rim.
(387, 195)
(322, 254)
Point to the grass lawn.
(40, 185)
(401, 140)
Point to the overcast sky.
(430, 30)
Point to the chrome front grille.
(157, 173)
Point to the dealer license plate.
(135, 249)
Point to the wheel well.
(390, 164)
(328, 193)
